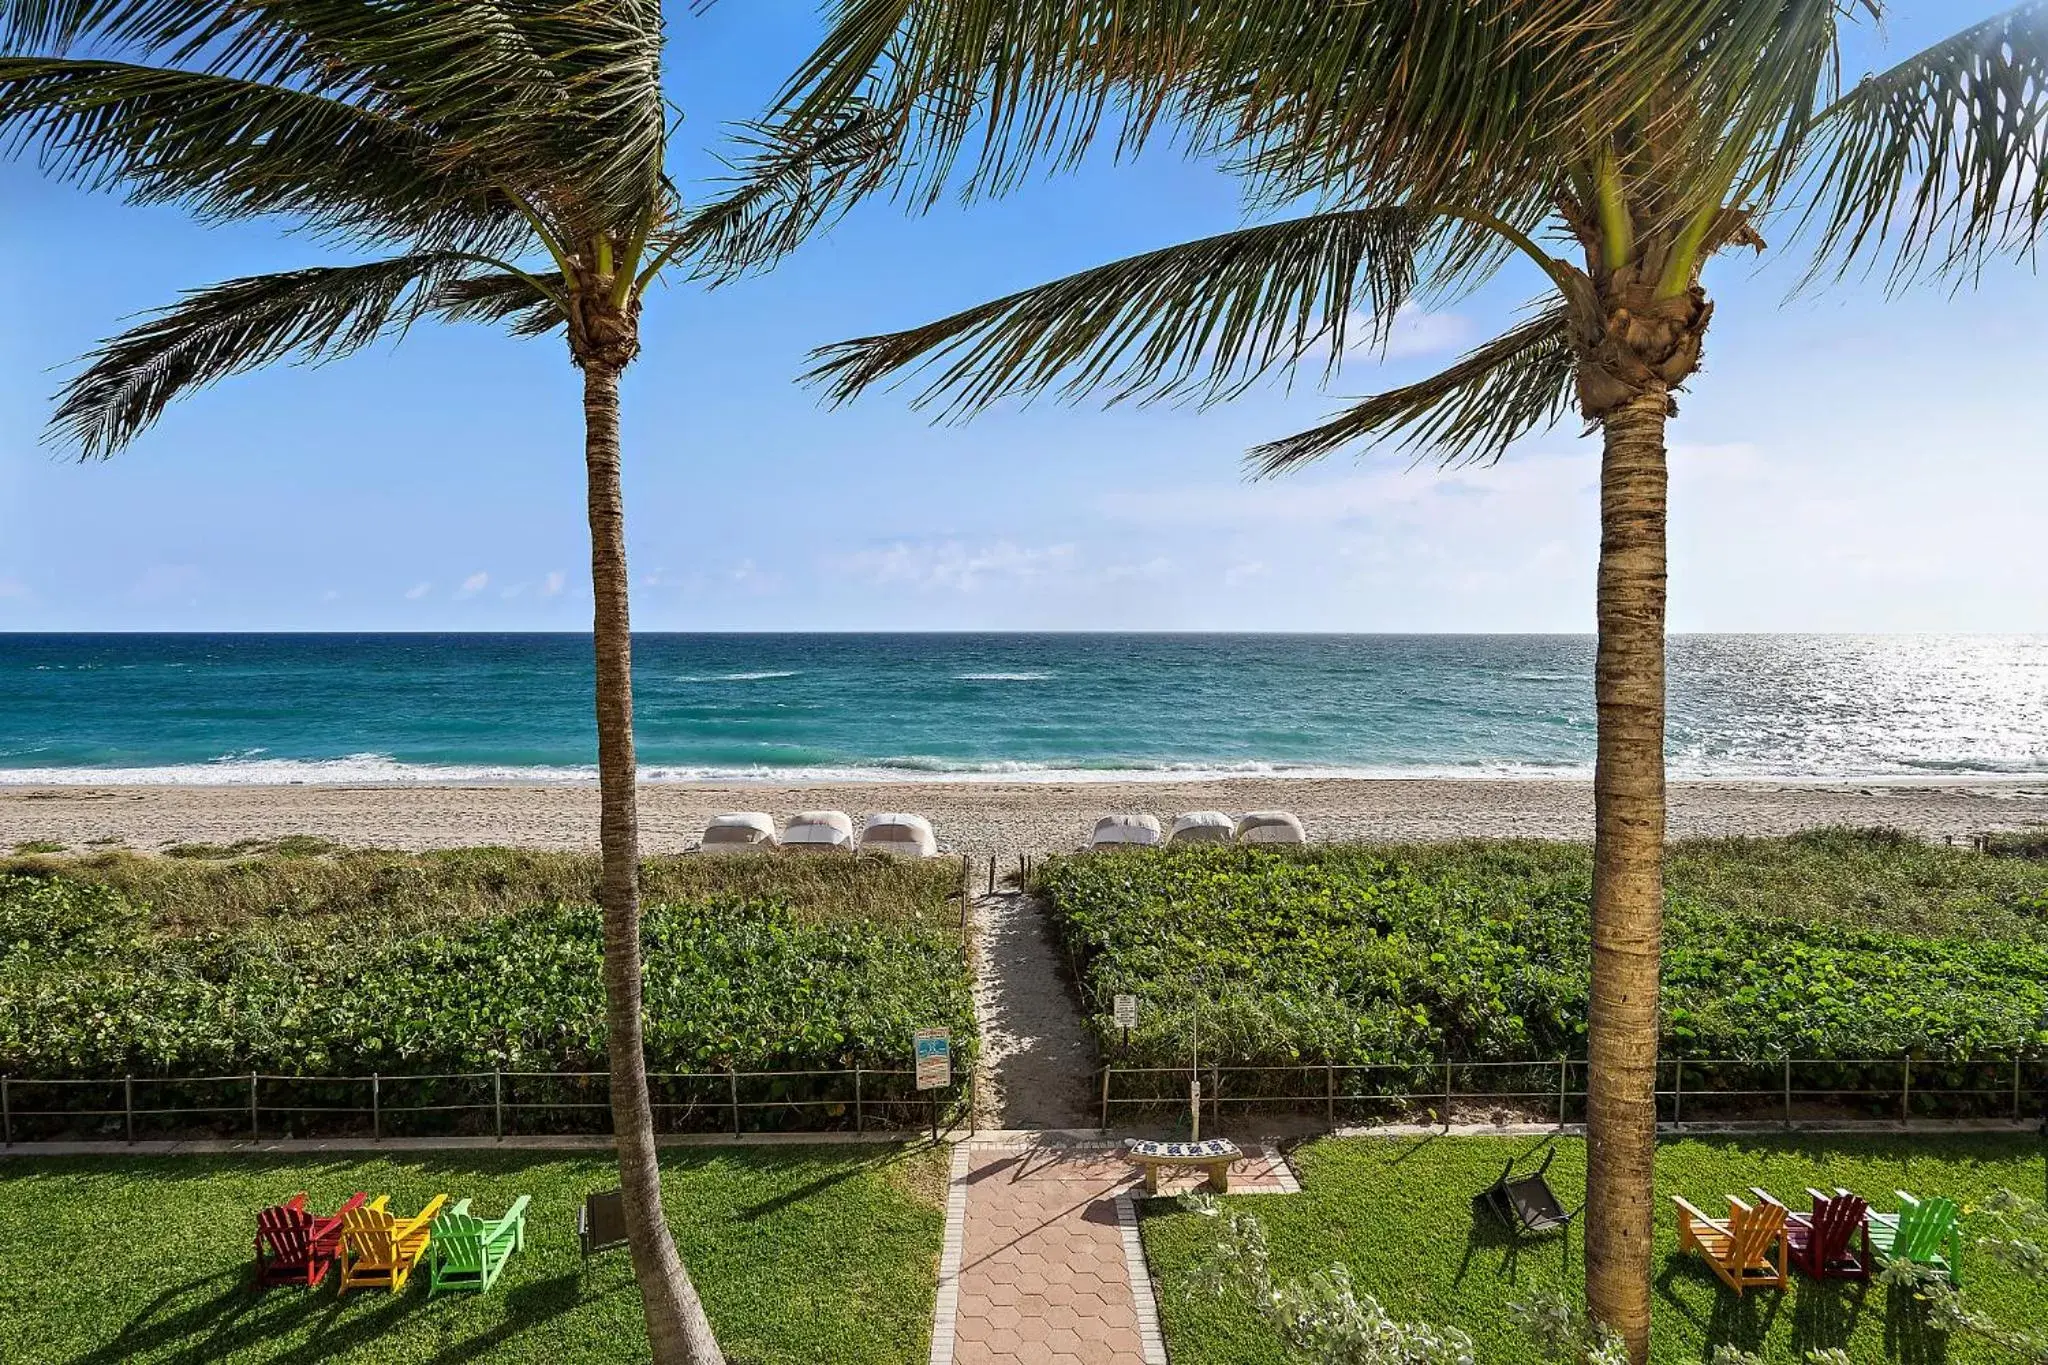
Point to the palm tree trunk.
(678, 1333)
(1628, 873)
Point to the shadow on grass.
(1488, 1234)
(1909, 1337)
(1825, 1313)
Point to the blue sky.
(1846, 462)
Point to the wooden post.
(991, 872)
(128, 1106)
(1563, 1073)
(6, 1115)
(860, 1122)
(2016, 1087)
(1447, 1090)
(732, 1077)
(377, 1106)
(255, 1132)
(1788, 1090)
(498, 1102)
(1105, 1099)
(1677, 1091)
(1330, 1092)
(1906, 1089)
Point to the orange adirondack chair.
(1746, 1249)
(297, 1247)
(379, 1251)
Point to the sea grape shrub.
(1394, 955)
(87, 991)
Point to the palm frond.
(228, 147)
(504, 298)
(1942, 156)
(1208, 316)
(310, 315)
(1517, 383)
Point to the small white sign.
(1127, 1011)
(933, 1052)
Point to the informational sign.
(933, 1051)
(1127, 1012)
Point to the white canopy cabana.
(1269, 827)
(1203, 827)
(747, 831)
(1130, 827)
(818, 830)
(907, 836)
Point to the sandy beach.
(977, 817)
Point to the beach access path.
(981, 818)
(1036, 1056)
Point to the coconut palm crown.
(1613, 147)
(497, 161)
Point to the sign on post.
(1127, 1012)
(933, 1051)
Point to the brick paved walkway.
(1043, 1265)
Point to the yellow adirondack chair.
(378, 1251)
(1746, 1249)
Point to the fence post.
(1105, 1099)
(376, 1106)
(128, 1106)
(1215, 1096)
(860, 1123)
(1330, 1090)
(1788, 1090)
(1906, 1090)
(991, 872)
(498, 1102)
(2015, 1087)
(1564, 1065)
(6, 1114)
(255, 1130)
(1677, 1092)
(732, 1077)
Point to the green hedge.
(94, 983)
(1396, 955)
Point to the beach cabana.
(907, 836)
(746, 831)
(1131, 827)
(1269, 827)
(818, 831)
(1203, 827)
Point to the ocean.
(492, 708)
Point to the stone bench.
(1213, 1156)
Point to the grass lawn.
(1398, 1214)
(803, 1255)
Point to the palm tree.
(1434, 144)
(454, 139)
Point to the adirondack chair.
(294, 1246)
(1924, 1231)
(379, 1251)
(469, 1252)
(1738, 1248)
(1832, 1242)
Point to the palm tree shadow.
(1743, 1320)
(1825, 1313)
(154, 1328)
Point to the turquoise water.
(395, 708)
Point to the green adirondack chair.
(469, 1252)
(1924, 1231)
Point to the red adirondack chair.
(297, 1247)
(1832, 1242)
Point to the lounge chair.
(379, 1251)
(1269, 827)
(1746, 1249)
(470, 1252)
(1203, 827)
(1527, 1203)
(905, 836)
(601, 1222)
(294, 1246)
(748, 831)
(1832, 1242)
(1113, 831)
(813, 831)
(1924, 1231)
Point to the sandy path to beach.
(977, 817)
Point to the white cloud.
(551, 586)
(1416, 333)
(474, 584)
(417, 591)
(955, 566)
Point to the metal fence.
(1688, 1090)
(259, 1105)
